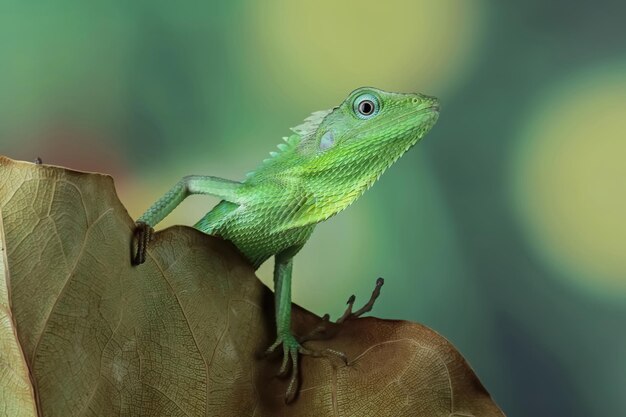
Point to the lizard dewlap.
(322, 168)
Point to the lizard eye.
(366, 106)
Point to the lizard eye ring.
(366, 106)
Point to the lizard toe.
(142, 237)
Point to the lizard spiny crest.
(304, 130)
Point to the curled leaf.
(83, 333)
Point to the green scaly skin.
(329, 161)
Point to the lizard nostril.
(415, 100)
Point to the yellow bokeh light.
(570, 180)
(324, 46)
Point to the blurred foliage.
(503, 230)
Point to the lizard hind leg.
(367, 307)
(321, 331)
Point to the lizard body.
(323, 167)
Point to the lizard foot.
(142, 236)
(367, 307)
(321, 331)
(291, 349)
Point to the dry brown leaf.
(82, 333)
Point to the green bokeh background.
(504, 230)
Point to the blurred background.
(504, 230)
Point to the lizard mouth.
(429, 112)
(429, 109)
(433, 105)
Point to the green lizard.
(329, 161)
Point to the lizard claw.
(291, 349)
(349, 314)
(325, 329)
(142, 236)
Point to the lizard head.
(357, 141)
(337, 154)
(371, 128)
(371, 120)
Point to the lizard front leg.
(193, 184)
(291, 347)
(282, 303)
